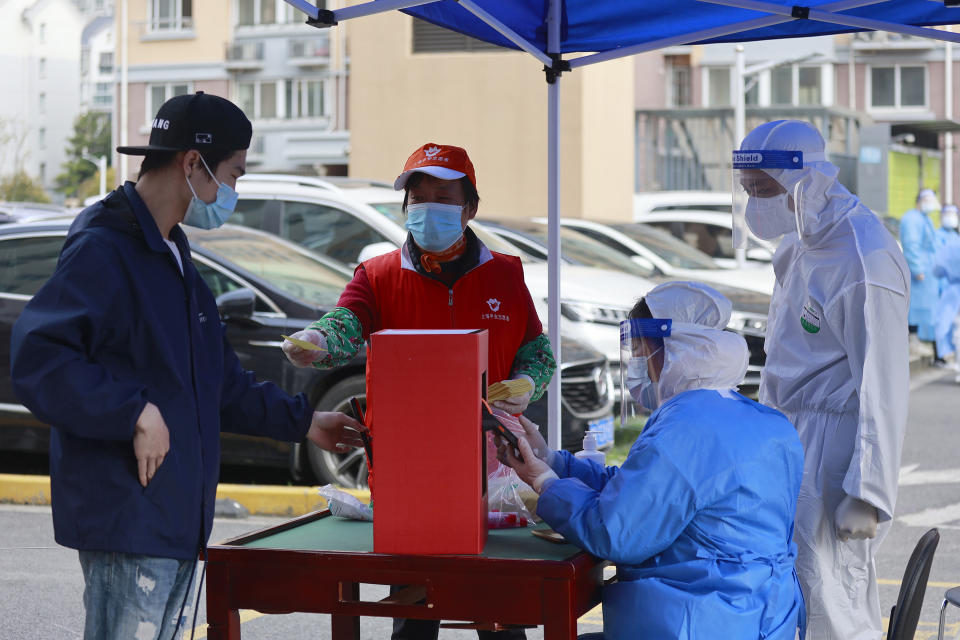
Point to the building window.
(170, 15)
(781, 85)
(258, 99)
(254, 12)
(42, 138)
(895, 87)
(43, 173)
(106, 62)
(42, 32)
(42, 67)
(718, 79)
(304, 98)
(808, 85)
(157, 94)
(42, 103)
(680, 81)
(429, 38)
(104, 94)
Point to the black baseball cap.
(198, 121)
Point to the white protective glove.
(303, 357)
(517, 404)
(855, 519)
(535, 438)
(532, 470)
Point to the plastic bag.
(344, 505)
(508, 496)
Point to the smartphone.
(364, 436)
(500, 428)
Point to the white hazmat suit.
(838, 367)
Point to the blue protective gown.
(947, 269)
(698, 519)
(917, 236)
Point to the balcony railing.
(244, 56)
(306, 52)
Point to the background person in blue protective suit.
(947, 269)
(699, 518)
(946, 233)
(917, 237)
(838, 367)
(123, 354)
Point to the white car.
(654, 202)
(668, 256)
(331, 218)
(712, 233)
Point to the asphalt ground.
(41, 586)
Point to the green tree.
(20, 187)
(91, 132)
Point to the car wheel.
(343, 469)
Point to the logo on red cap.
(438, 155)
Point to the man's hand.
(532, 470)
(335, 431)
(517, 404)
(301, 357)
(855, 519)
(151, 442)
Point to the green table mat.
(336, 534)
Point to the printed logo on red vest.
(494, 304)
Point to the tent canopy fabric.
(606, 25)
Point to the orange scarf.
(431, 261)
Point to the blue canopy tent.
(609, 29)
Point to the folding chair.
(952, 596)
(906, 613)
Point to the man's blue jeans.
(133, 596)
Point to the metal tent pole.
(553, 224)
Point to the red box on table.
(430, 494)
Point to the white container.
(589, 451)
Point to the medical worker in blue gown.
(699, 518)
(946, 267)
(917, 237)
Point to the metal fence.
(689, 148)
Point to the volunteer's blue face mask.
(210, 215)
(434, 226)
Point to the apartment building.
(412, 83)
(290, 79)
(40, 55)
(97, 65)
(879, 99)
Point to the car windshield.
(296, 273)
(498, 244)
(393, 210)
(676, 252)
(582, 249)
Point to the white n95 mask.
(770, 218)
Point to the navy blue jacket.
(117, 326)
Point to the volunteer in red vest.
(442, 277)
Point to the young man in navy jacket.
(123, 354)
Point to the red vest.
(490, 296)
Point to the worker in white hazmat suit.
(837, 366)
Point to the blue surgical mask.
(642, 389)
(210, 215)
(434, 226)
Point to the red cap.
(442, 161)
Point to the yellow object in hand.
(508, 389)
(303, 344)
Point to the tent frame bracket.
(800, 13)
(558, 66)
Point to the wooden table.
(316, 563)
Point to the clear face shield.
(761, 205)
(641, 362)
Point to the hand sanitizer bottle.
(590, 449)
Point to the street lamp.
(101, 163)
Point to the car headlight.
(749, 323)
(591, 312)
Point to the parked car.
(652, 202)
(668, 256)
(712, 233)
(29, 211)
(264, 287)
(749, 317)
(369, 220)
